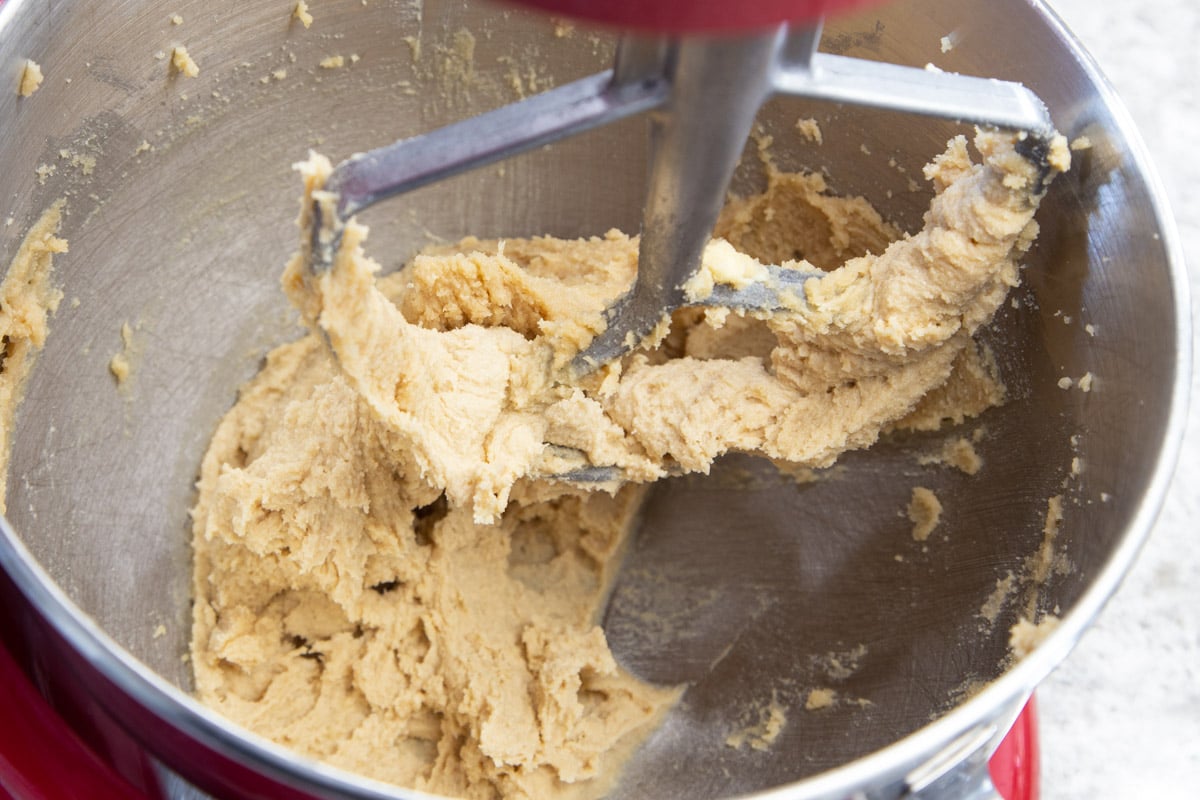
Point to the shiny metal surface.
(765, 578)
(706, 93)
(696, 141)
(364, 179)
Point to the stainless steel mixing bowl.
(773, 585)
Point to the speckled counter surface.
(1121, 717)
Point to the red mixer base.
(1014, 765)
(42, 759)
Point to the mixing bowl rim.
(171, 705)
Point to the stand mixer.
(93, 549)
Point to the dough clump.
(183, 62)
(468, 365)
(31, 78)
(387, 577)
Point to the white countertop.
(1121, 717)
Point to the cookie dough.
(386, 578)
(31, 78)
(1025, 636)
(28, 298)
(183, 63)
(924, 512)
(493, 329)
